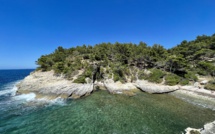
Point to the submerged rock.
(47, 83)
(201, 97)
(196, 96)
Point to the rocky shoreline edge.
(48, 84)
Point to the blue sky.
(30, 28)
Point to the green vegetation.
(156, 76)
(194, 132)
(184, 82)
(124, 61)
(210, 85)
(172, 79)
(191, 76)
(80, 79)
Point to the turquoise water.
(100, 113)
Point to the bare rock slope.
(46, 83)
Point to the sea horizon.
(18, 69)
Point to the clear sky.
(30, 28)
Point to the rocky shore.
(208, 128)
(48, 84)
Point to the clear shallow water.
(100, 113)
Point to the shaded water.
(101, 113)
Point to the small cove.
(104, 113)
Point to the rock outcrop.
(192, 131)
(46, 83)
(208, 129)
(154, 88)
(120, 88)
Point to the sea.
(99, 113)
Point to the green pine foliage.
(179, 64)
(191, 76)
(156, 76)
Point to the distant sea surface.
(99, 113)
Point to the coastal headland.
(186, 71)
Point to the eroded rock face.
(47, 83)
(154, 88)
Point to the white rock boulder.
(154, 88)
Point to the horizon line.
(17, 68)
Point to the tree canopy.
(122, 59)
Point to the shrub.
(141, 75)
(133, 78)
(88, 73)
(59, 67)
(80, 79)
(118, 73)
(202, 72)
(86, 56)
(210, 85)
(194, 132)
(191, 76)
(184, 82)
(172, 79)
(156, 76)
(125, 70)
(116, 77)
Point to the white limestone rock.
(47, 83)
(116, 87)
(154, 88)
